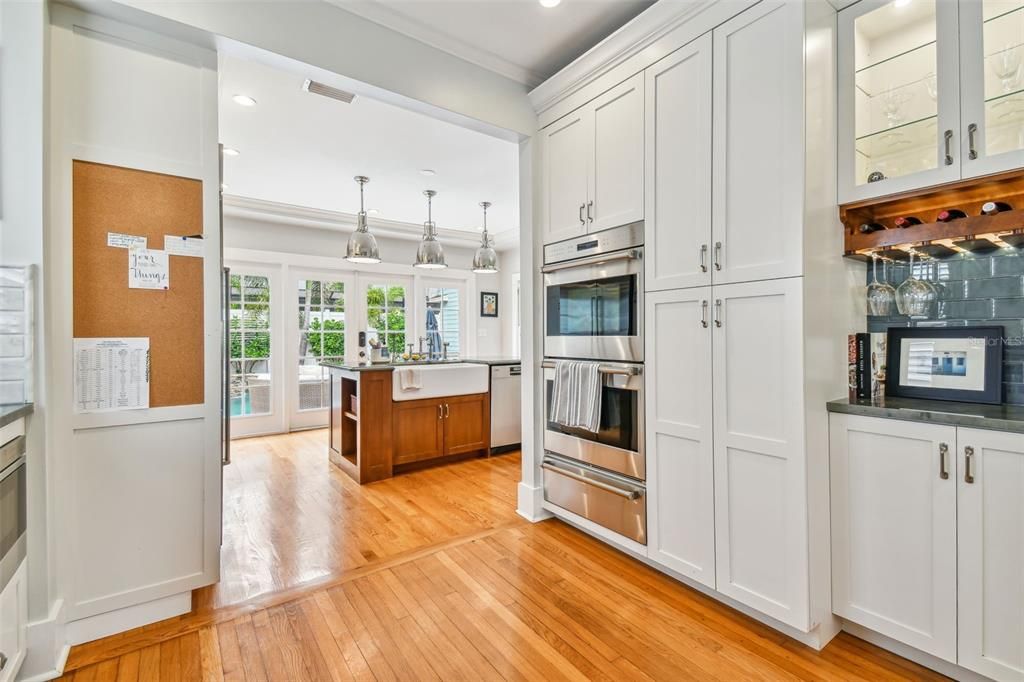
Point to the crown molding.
(632, 48)
(378, 13)
(289, 214)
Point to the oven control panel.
(606, 241)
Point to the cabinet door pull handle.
(718, 312)
(943, 461)
(590, 205)
(704, 314)
(968, 464)
(582, 221)
(447, 411)
(972, 154)
(949, 147)
(440, 411)
(703, 256)
(718, 255)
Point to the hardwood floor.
(432, 576)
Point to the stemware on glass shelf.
(915, 297)
(880, 295)
(1006, 66)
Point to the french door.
(319, 305)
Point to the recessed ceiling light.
(244, 100)
(549, 3)
(428, 172)
(231, 151)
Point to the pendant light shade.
(485, 260)
(362, 247)
(430, 254)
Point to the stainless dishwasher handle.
(628, 494)
(628, 254)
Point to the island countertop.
(14, 411)
(972, 415)
(384, 366)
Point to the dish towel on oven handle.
(576, 395)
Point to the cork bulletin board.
(114, 199)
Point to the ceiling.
(303, 150)
(519, 39)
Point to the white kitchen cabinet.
(564, 181)
(894, 529)
(760, 475)
(758, 174)
(990, 537)
(680, 460)
(991, 86)
(616, 190)
(13, 622)
(593, 161)
(678, 168)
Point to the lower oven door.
(614, 502)
(618, 445)
(13, 519)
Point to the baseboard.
(916, 655)
(502, 449)
(120, 620)
(47, 648)
(531, 503)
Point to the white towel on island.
(576, 395)
(409, 379)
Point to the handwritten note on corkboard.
(113, 199)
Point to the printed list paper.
(111, 374)
(183, 246)
(148, 269)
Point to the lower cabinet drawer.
(615, 502)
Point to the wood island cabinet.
(440, 427)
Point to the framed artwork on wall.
(954, 363)
(488, 304)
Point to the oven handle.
(630, 494)
(627, 370)
(628, 254)
(11, 468)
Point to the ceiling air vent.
(328, 91)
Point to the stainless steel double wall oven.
(593, 310)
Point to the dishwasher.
(506, 410)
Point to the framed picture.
(488, 304)
(955, 363)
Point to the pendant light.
(485, 260)
(430, 254)
(362, 247)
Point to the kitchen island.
(378, 428)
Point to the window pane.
(334, 295)
(396, 297)
(256, 345)
(256, 316)
(250, 388)
(314, 383)
(375, 295)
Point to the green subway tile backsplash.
(973, 290)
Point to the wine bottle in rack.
(950, 214)
(868, 228)
(907, 221)
(993, 207)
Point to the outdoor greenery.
(326, 340)
(250, 320)
(385, 312)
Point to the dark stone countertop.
(13, 412)
(972, 415)
(384, 366)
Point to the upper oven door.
(593, 308)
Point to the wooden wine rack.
(968, 195)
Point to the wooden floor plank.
(433, 576)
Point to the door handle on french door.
(703, 256)
(704, 314)
(943, 461)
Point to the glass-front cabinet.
(898, 97)
(930, 91)
(992, 85)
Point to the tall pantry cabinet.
(742, 352)
(723, 143)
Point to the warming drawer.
(614, 502)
